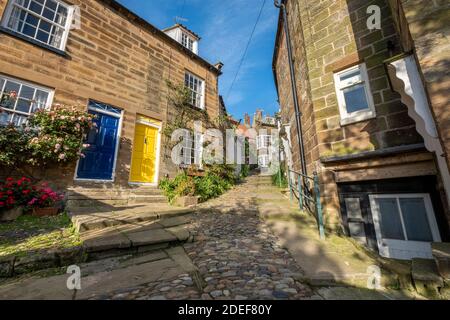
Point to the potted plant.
(14, 195)
(44, 202)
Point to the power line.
(246, 48)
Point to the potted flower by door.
(44, 203)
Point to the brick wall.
(114, 60)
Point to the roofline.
(177, 25)
(133, 17)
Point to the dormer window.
(187, 41)
(184, 36)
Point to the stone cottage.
(373, 108)
(101, 57)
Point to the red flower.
(9, 179)
(2, 204)
(25, 192)
(9, 192)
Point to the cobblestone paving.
(237, 257)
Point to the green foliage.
(181, 185)
(51, 136)
(14, 148)
(283, 183)
(245, 170)
(33, 234)
(60, 137)
(180, 99)
(216, 180)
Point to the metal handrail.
(304, 195)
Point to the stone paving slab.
(150, 237)
(95, 285)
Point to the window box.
(354, 95)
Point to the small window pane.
(5, 117)
(12, 87)
(353, 206)
(49, 14)
(352, 76)
(27, 92)
(358, 232)
(61, 15)
(23, 3)
(416, 220)
(355, 98)
(391, 225)
(42, 36)
(19, 120)
(32, 20)
(23, 105)
(2, 82)
(29, 30)
(36, 7)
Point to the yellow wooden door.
(143, 164)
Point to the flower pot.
(45, 212)
(186, 201)
(11, 214)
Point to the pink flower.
(57, 147)
(62, 156)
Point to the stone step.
(441, 255)
(137, 238)
(117, 201)
(99, 194)
(94, 218)
(426, 278)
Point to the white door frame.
(158, 156)
(384, 249)
(116, 152)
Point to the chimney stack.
(247, 120)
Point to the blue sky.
(225, 27)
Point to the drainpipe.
(298, 114)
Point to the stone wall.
(426, 29)
(329, 36)
(115, 59)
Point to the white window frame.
(357, 116)
(376, 214)
(70, 14)
(264, 160)
(264, 141)
(49, 91)
(187, 41)
(200, 94)
(193, 150)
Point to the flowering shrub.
(22, 192)
(16, 193)
(60, 137)
(44, 197)
(51, 136)
(14, 147)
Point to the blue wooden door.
(98, 163)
